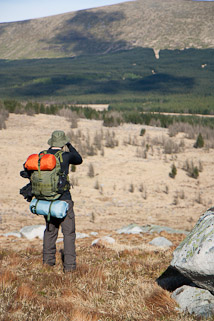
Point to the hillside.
(165, 24)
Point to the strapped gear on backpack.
(56, 208)
(47, 179)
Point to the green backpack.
(49, 184)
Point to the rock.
(31, 232)
(103, 240)
(130, 229)
(161, 241)
(94, 233)
(135, 229)
(159, 229)
(81, 235)
(15, 234)
(194, 300)
(194, 257)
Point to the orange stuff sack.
(47, 163)
(31, 163)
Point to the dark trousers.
(50, 237)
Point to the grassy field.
(111, 283)
(131, 184)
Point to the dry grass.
(192, 131)
(160, 303)
(115, 169)
(89, 145)
(116, 283)
(3, 117)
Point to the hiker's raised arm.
(74, 156)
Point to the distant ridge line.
(165, 24)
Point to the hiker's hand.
(24, 174)
(68, 144)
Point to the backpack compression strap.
(44, 152)
(49, 211)
(58, 154)
(39, 160)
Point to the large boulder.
(194, 257)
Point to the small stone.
(81, 235)
(33, 231)
(15, 234)
(94, 233)
(130, 229)
(104, 239)
(161, 241)
(135, 229)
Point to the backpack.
(47, 179)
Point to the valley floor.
(131, 182)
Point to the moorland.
(141, 116)
(126, 177)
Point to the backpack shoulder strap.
(43, 153)
(59, 155)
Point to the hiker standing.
(57, 141)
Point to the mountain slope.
(157, 24)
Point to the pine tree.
(199, 142)
(195, 172)
(173, 172)
(142, 132)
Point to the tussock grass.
(89, 146)
(110, 283)
(192, 131)
(159, 302)
(3, 117)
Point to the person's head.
(58, 139)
